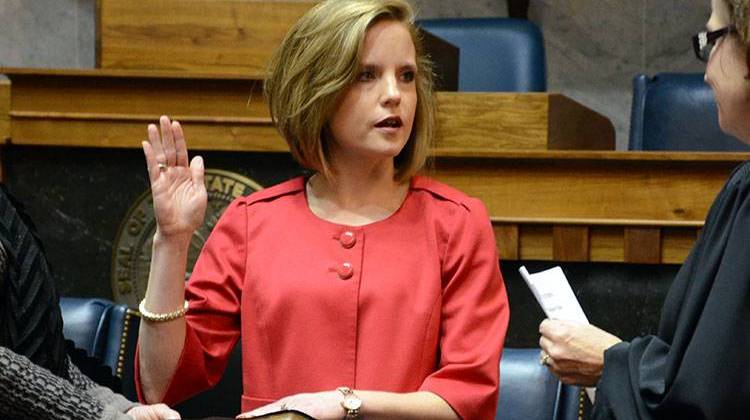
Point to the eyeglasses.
(704, 41)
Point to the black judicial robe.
(698, 364)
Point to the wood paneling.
(572, 126)
(642, 245)
(536, 242)
(480, 122)
(202, 134)
(4, 110)
(544, 204)
(606, 244)
(600, 241)
(121, 97)
(507, 240)
(636, 188)
(570, 243)
(218, 36)
(676, 244)
(4, 118)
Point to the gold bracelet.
(154, 317)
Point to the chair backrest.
(676, 111)
(109, 332)
(496, 54)
(528, 391)
(106, 331)
(86, 322)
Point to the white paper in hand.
(552, 290)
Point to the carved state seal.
(131, 255)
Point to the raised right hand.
(178, 190)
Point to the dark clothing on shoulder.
(30, 318)
(38, 376)
(696, 367)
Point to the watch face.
(352, 403)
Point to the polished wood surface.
(633, 207)
(571, 125)
(227, 37)
(630, 187)
(570, 243)
(643, 245)
(58, 107)
(609, 243)
(480, 122)
(4, 110)
(216, 36)
(4, 118)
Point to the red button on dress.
(345, 271)
(348, 239)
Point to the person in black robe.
(696, 366)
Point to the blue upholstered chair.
(496, 54)
(105, 330)
(528, 391)
(109, 332)
(676, 111)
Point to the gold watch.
(351, 402)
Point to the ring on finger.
(161, 166)
(545, 359)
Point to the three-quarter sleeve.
(474, 318)
(214, 293)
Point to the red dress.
(412, 302)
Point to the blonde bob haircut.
(319, 59)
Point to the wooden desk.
(636, 207)
(110, 108)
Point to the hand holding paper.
(552, 290)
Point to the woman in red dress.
(361, 290)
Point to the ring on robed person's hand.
(544, 360)
(161, 166)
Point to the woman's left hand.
(320, 405)
(576, 351)
(153, 412)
